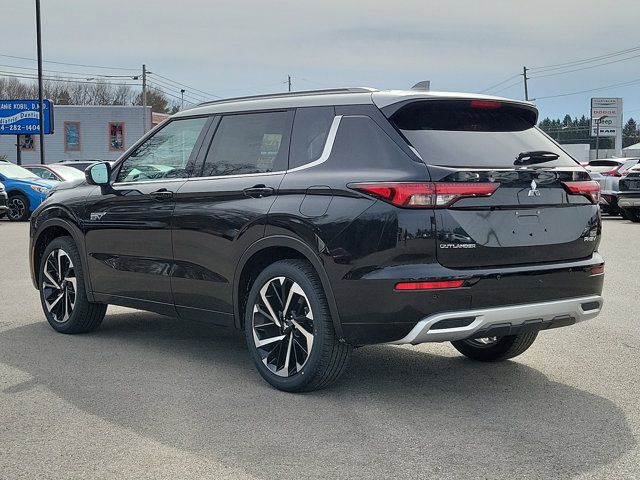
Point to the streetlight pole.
(40, 102)
(182, 90)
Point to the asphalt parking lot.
(153, 397)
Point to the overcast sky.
(231, 48)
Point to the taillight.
(438, 284)
(587, 188)
(425, 195)
(485, 104)
(612, 173)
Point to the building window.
(116, 136)
(27, 142)
(71, 136)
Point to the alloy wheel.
(59, 285)
(16, 208)
(283, 326)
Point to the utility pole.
(182, 90)
(526, 89)
(289, 81)
(40, 103)
(144, 99)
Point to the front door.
(128, 236)
(223, 210)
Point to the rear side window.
(474, 133)
(310, 131)
(249, 143)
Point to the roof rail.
(326, 91)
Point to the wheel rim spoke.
(59, 285)
(282, 326)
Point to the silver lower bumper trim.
(537, 315)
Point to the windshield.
(67, 173)
(9, 170)
(474, 133)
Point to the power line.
(507, 87)
(174, 87)
(168, 88)
(605, 87)
(498, 84)
(71, 64)
(586, 60)
(585, 68)
(57, 79)
(76, 74)
(185, 86)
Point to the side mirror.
(98, 174)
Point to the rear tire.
(18, 208)
(500, 348)
(62, 292)
(289, 329)
(631, 214)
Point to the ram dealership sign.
(609, 111)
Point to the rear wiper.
(536, 156)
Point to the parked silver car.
(607, 173)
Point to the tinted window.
(469, 134)
(310, 131)
(249, 143)
(164, 155)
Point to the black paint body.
(184, 253)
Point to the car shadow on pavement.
(396, 413)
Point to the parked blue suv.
(25, 190)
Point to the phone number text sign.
(22, 117)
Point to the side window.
(310, 131)
(164, 155)
(249, 143)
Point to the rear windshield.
(464, 133)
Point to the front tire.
(495, 349)
(289, 329)
(62, 292)
(18, 208)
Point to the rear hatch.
(506, 193)
(631, 182)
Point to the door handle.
(162, 194)
(259, 191)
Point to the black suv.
(319, 221)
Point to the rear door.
(222, 210)
(493, 209)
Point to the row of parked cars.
(619, 180)
(23, 188)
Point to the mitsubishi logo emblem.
(534, 192)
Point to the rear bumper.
(500, 321)
(629, 200)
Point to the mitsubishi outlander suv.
(320, 221)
